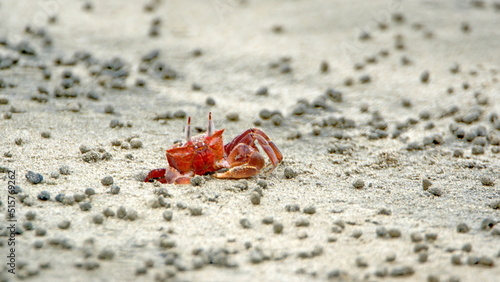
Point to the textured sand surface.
(385, 129)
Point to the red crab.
(206, 153)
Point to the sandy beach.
(386, 113)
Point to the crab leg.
(249, 136)
(244, 161)
(269, 143)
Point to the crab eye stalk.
(211, 125)
(188, 130)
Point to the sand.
(333, 227)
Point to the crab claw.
(167, 175)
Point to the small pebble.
(79, 197)
(233, 116)
(486, 261)
(422, 257)
(364, 35)
(268, 220)
(85, 206)
(431, 237)
(90, 157)
(457, 153)
(65, 170)
(38, 244)
(84, 149)
(28, 225)
(477, 150)
(391, 257)
(140, 82)
(196, 87)
(465, 27)
(108, 212)
(406, 103)
(67, 199)
(358, 184)
(98, 219)
(324, 67)
(195, 211)
(456, 259)
(361, 262)
(40, 231)
(107, 180)
(292, 208)
(114, 190)
(381, 271)
(106, 254)
(302, 235)
(357, 234)
(33, 177)
(181, 205)
(394, 233)
(309, 210)
(398, 17)
(121, 212)
(114, 123)
(487, 180)
(197, 180)
(180, 114)
(337, 274)
(364, 79)
(125, 145)
(302, 222)
(45, 134)
(245, 223)
(334, 95)
(381, 231)
(289, 173)
(384, 211)
(424, 77)
(132, 214)
(277, 228)
(262, 91)
(340, 223)
(30, 215)
(265, 114)
(74, 107)
(43, 196)
(167, 215)
(255, 198)
(89, 191)
(400, 271)
(473, 260)
(426, 183)
(331, 239)
(210, 101)
(256, 256)
(135, 143)
(467, 247)
(65, 224)
(109, 109)
(262, 183)
(435, 191)
(463, 228)
(277, 120)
